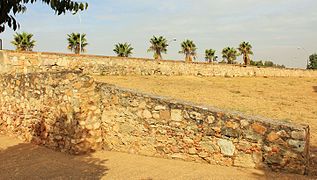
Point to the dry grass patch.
(290, 99)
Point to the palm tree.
(230, 54)
(189, 49)
(77, 42)
(245, 48)
(210, 55)
(123, 49)
(23, 41)
(158, 46)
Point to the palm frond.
(23, 41)
(77, 41)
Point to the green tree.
(210, 55)
(158, 46)
(188, 48)
(10, 8)
(77, 42)
(257, 63)
(312, 64)
(245, 49)
(265, 64)
(123, 50)
(230, 54)
(268, 64)
(23, 41)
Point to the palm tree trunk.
(187, 58)
(230, 61)
(77, 50)
(245, 60)
(248, 60)
(158, 55)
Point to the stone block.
(176, 115)
(188, 140)
(209, 146)
(192, 151)
(146, 114)
(244, 160)
(299, 135)
(273, 136)
(226, 146)
(179, 156)
(159, 107)
(165, 114)
(195, 115)
(298, 146)
(203, 154)
(259, 128)
(210, 119)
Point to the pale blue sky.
(275, 28)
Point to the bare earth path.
(20, 160)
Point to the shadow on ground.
(313, 161)
(315, 88)
(34, 162)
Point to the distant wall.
(105, 65)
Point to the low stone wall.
(70, 112)
(157, 126)
(58, 110)
(105, 65)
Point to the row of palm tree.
(230, 54)
(76, 42)
(158, 45)
(188, 48)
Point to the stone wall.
(58, 110)
(105, 65)
(70, 112)
(157, 126)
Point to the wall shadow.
(54, 128)
(268, 173)
(311, 172)
(29, 161)
(313, 161)
(42, 159)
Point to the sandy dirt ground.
(287, 99)
(20, 160)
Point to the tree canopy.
(245, 49)
(23, 41)
(158, 46)
(230, 54)
(10, 8)
(312, 64)
(188, 47)
(123, 49)
(265, 64)
(210, 55)
(77, 42)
